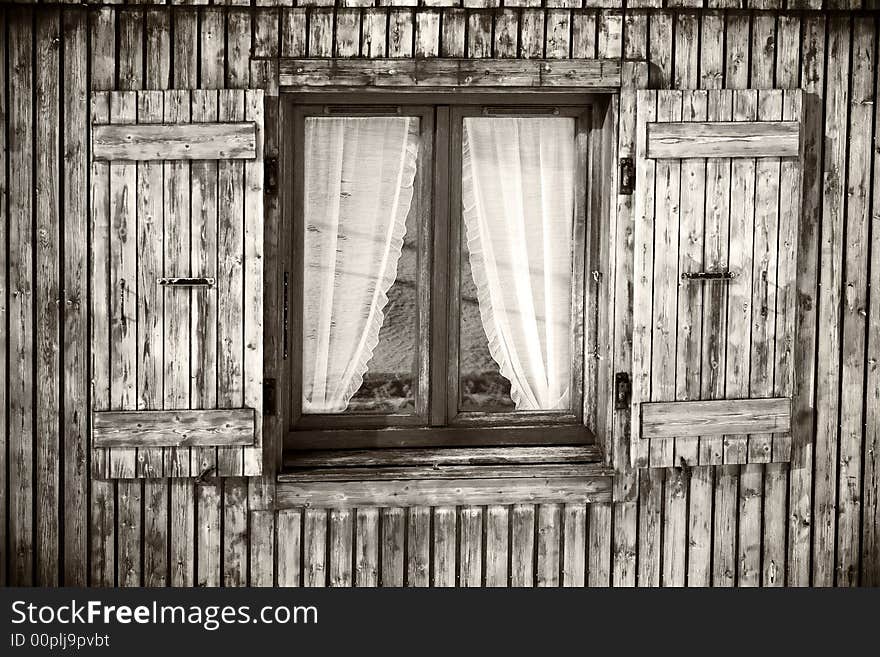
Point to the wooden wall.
(814, 522)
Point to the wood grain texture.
(196, 141)
(305, 74)
(173, 428)
(719, 139)
(716, 417)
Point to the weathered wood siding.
(816, 521)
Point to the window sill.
(417, 477)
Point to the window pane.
(518, 177)
(359, 276)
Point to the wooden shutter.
(176, 188)
(718, 184)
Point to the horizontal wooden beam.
(723, 139)
(388, 473)
(445, 456)
(175, 141)
(434, 73)
(715, 418)
(443, 492)
(183, 428)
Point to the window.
(437, 291)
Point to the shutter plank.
(204, 140)
(149, 307)
(123, 283)
(253, 286)
(763, 138)
(177, 300)
(173, 428)
(739, 306)
(230, 283)
(203, 259)
(715, 417)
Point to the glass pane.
(360, 262)
(518, 191)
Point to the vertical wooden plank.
(740, 302)
(151, 462)
(102, 39)
(531, 36)
(724, 543)
(367, 547)
(610, 42)
(75, 285)
(262, 548)
(150, 338)
(828, 380)
(47, 300)
(230, 282)
(522, 545)
(812, 76)
(185, 32)
(574, 544)
(348, 32)
(444, 546)
(203, 243)
(235, 532)
(497, 545)
(549, 543)
(375, 32)
(158, 49)
(599, 547)
(393, 536)
(401, 30)
(321, 33)
(289, 544)
(315, 548)
(558, 37)
(182, 534)
(293, 32)
(583, 34)
(506, 33)
(341, 555)
(208, 536)
(266, 40)
(176, 319)
(238, 45)
(427, 33)
(675, 527)
(21, 302)
(479, 34)
(667, 200)
(470, 568)
(870, 572)
(253, 285)
(452, 33)
(659, 52)
(418, 546)
(624, 521)
(155, 528)
(650, 504)
(643, 273)
(128, 534)
(855, 302)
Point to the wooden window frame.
(440, 424)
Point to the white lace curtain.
(518, 207)
(358, 190)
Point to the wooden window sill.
(416, 477)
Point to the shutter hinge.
(627, 176)
(270, 174)
(622, 391)
(270, 397)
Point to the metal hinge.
(270, 174)
(627, 176)
(622, 391)
(270, 397)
